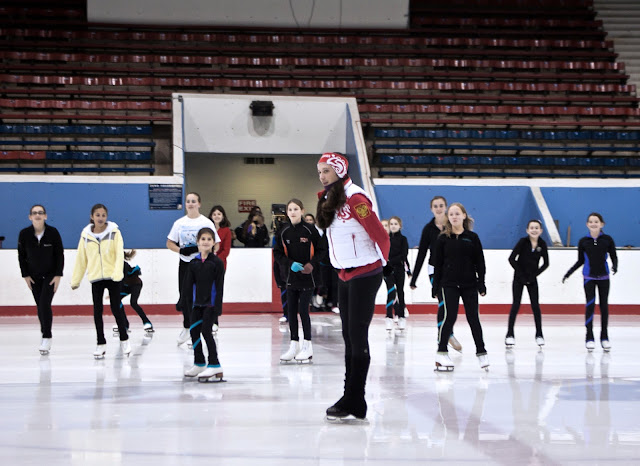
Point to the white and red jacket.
(358, 243)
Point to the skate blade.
(213, 379)
(44, 352)
(440, 368)
(149, 330)
(304, 361)
(346, 420)
(509, 346)
(485, 368)
(95, 356)
(287, 361)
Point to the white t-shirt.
(185, 230)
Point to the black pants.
(134, 291)
(532, 288)
(43, 295)
(440, 315)
(283, 301)
(203, 318)
(97, 290)
(603, 293)
(298, 303)
(330, 281)
(392, 294)
(180, 307)
(398, 277)
(451, 302)
(357, 303)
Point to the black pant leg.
(196, 330)
(392, 293)
(43, 295)
(135, 294)
(343, 304)
(97, 292)
(124, 292)
(471, 310)
(440, 315)
(208, 316)
(603, 294)
(590, 294)
(180, 306)
(516, 289)
(450, 303)
(293, 297)
(303, 310)
(398, 275)
(535, 306)
(116, 308)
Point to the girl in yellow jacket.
(101, 255)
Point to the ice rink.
(558, 406)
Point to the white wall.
(284, 13)
(248, 279)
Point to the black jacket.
(459, 261)
(592, 252)
(43, 258)
(398, 249)
(428, 240)
(525, 261)
(203, 283)
(131, 275)
(299, 243)
(259, 240)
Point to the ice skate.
(395, 319)
(590, 345)
(388, 323)
(402, 324)
(215, 328)
(510, 342)
(125, 346)
(294, 349)
(45, 346)
(338, 414)
(540, 341)
(483, 360)
(184, 336)
(283, 320)
(317, 301)
(148, 327)
(306, 353)
(116, 330)
(335, 310)
(212, 374)
(443, 362)
(455, 344)
(100, 351)
(606, 346)
(195, 370)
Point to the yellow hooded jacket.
(101, 259)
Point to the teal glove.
(297, 267)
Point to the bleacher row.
(480, 65)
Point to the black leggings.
(298, 303)
(440, 315)
(182, 270)
(357, 302)
(603, 293)
(451, 302)
(532, 288)
(134, 291)
(203, 318)
(395, 289)
(43, 295)
(97, 290)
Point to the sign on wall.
(245, 205)
(165, 196)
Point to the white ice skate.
(335, 310)
(215, 328)
(283, 320)
(402, 324)
(540, 341)
(317, 301)
(195, 370)
(148, 327)
(100, 351)
(306, 353)
(388, 323)
(606, 346)
(125, 346)
(294, 349)
(443, 362)
(510, 342)
(45, 346)
(455, 344)
(483, 359)
(184, 336)
(212, 374)
(590, 345)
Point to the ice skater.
(396, 267)
(132, 285)
(593, 251)
(203, 285)
(298, 250)
(182, 239)
(41, 258)
(359, 249)
(101, 255)
(223, 227)
(459, 271)
(428, 240)
(525, 260)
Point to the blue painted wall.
(618, 206)
(500, 213)
(69, 205)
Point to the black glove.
(565, 278)
(482, 289)
(387, 270)
(614, 269)
(434, 291)
(188, 250)
(409, 273)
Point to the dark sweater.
(398, 250)
(203, 283)
(592, 252)
(43, 258)
(525, 261)
(299, 243)
(459, 261)
(428, 240)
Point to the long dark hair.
(327, 206)
(96, 207)
(225, 221)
